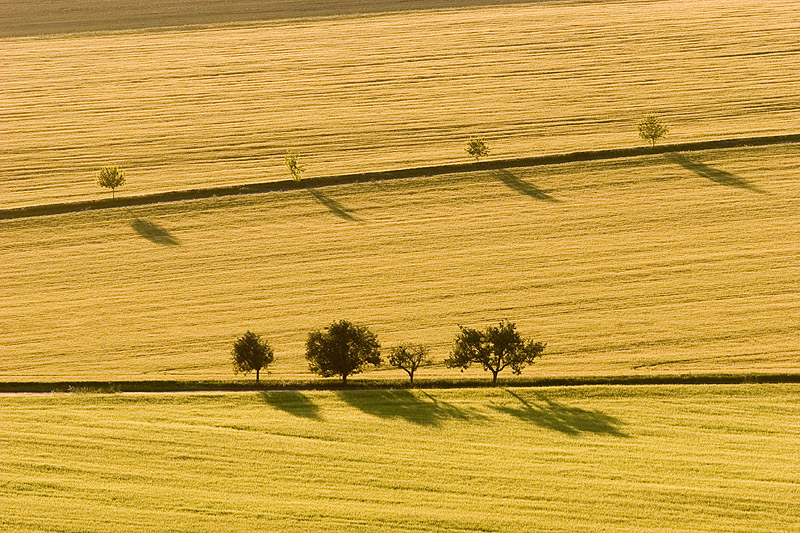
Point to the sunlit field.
(686, 458)
(661, 264)
(221, 104)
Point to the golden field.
(660, 459)
(659, 264)
(220, 104)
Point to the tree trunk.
(494, 377)
(344, 379)
(411, 378)
(257, 371)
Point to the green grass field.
(686, 458)
(658, 264)
(220, 104)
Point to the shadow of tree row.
(426, 410)
(333, 206)
(515, 183)
(154, 233)
(293, 402)
(552, 415)
(714, 174)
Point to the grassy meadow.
(685, 458)
(221, 103)
(659, 264)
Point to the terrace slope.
(658, 264)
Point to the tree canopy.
(342, 349)
(495, 349)
(477, 148)
(409, 357)
(111, 178)
(294, 166)
(651, 129)
(250, 353)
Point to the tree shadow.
(292, 402)
(559, 417)
(333, 206)
(406, 405)
(154, 232)
(711, 173)
(514, 182)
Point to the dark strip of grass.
(331, 384)
(404, 173)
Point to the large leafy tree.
(495, 349)
(342, 349)
(250, 352)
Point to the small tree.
(651, 129)
(409, 357)
(111, 178)
(494, 349)
(477, 148)
(343, 349)
(295, 168)
(250, 353)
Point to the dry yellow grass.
(653, 264)
(658, 459)
(215, 105)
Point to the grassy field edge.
(372, 384)
(403, 173)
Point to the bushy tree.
(495, 349)
(295, 168)
(342, 349)
(111, 178)
(477, 148)
(250, 353)
(409, 357)
(651, 129)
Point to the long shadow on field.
(514, 182)
(559, 417)
(711, 173)
(154, 232)
(293, 402)
(406, 405)
(333, 206)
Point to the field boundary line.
(381, 175)
(165, 386)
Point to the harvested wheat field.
(662, 459)
(658, 264)
(220, 104)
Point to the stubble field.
(220, 104)
(660, 264)
(685, 458)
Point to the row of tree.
(651, 129)
(345, 348)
